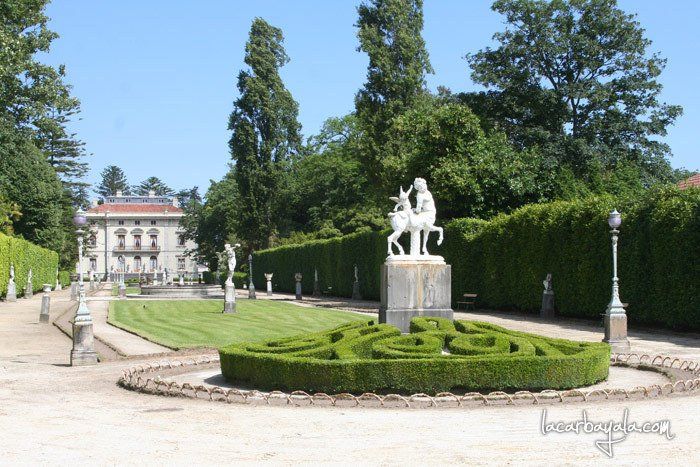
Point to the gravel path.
(54, 414)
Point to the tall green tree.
(213, 223)
(265, 134)
(390, 34)
(153, 184)
(113, 180)
(41, 165)
(575, 77)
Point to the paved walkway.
(51, 413)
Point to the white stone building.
(137, 235)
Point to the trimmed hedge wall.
(504, 260)
(239, 278)
(64, 278)
(364, 357)
(26, 255)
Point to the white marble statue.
(30, 276)
(231, 258)
(416, 220)
(12, 273)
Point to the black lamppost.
(615, 319)
(251, 286)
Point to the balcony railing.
(136, 248)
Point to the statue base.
(11, 292)
(414, 286)
(356, 295)
(229, 298)
(547, 310)
(29, 291)
(122, 291)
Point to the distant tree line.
(570, 107)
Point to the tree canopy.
(113, 180)
(265, 134)
(576, 77)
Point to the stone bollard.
(229, 298)
(268, 278)
(73, 290)
(122, 290)
(29, 291)
(547, 310)
(45, 304)
(297, 278)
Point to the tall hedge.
(26, 255)
(504, 260)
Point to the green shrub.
(363, 357)
(505, 259)
(25, 256)
(64, 278)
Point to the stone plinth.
(29, 291)
(547, 310)
(122, 291)
(45, 304)
(414, 286)
(356, 295)
(616, 332)
(73, 290)
(83, 352)
(230, 298)
(11, 292)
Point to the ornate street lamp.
(251, 286)
(615, 317)
(83, 352)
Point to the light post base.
(251, 292)
(616, 332)
(83, 352)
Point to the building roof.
(693, 180)
(135, 208)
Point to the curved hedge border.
(368, 357)
(26, 255)
(505, 259)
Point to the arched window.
(137, 263)
(121, 262)
(92, 240)
(154, 263)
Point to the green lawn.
(130, 289)
(200, 323)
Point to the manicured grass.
(200, 323)
(130, 289)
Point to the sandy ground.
(51, 413)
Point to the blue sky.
(157, 78)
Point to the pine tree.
(265, 134)
(113, 180)
(153, 184)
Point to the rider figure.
(425, 206)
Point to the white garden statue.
(231, 257)
(416, 220)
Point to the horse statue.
(416, 220)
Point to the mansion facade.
(137, 235)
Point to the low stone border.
(145, 378)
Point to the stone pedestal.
(268, 278)
(229, 298)
(73, 290)
(616, 332)
(356, 295)
(45, 304)
(122, 290)
(414, 286)
(92, 284)
(29, 291)
(297, 289)
(83, 352)
(58, 286)
(11, 292)
(547, 310)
